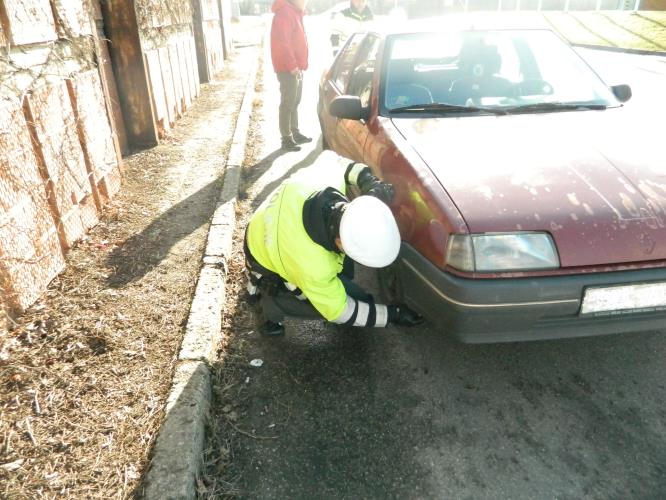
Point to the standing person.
(303, 240)
(350, 20)
(289, 53)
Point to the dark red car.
(528, 208)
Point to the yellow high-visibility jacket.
(277, 239)
(347, 22)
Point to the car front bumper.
(519, 309)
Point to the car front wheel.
(324, 143)
(390, 284)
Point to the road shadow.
(254, 173)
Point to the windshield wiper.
(441, 107)
(553, 106)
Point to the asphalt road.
(409, 414)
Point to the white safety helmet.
(369, 233)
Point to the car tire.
(390, 285)
(324, 144)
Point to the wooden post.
(200, 42)
(223, 28)
(109, 85)
(122, 29)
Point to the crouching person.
(303, 240)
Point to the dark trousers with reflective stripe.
(286, 304)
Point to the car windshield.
(518, 71)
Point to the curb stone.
(177, 457)
(178, 452)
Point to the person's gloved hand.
(372, 186)
(383, 191)
(402, 315)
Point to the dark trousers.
(291, 89)
(286, 304)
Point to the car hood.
(595, 183)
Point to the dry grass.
(85, 373)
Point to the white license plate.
(624, 299)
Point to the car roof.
(481, 21)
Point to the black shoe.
(288, 144)
(300, 138)
(270, 329)
(252, 299)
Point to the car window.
(499, 68)
(345, 62)
(446, 46)
(510, 66)
(360, 83)
(557, 70)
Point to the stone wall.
(59, 164)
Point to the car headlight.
(502, 252)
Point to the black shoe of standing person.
(270, 329)
(288, 144)
(300, 138)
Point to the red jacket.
(289, 46)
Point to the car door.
(335, 85)
(347, 137)
(354, 133)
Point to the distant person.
(289, 54)
(350, 20)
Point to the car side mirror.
(348, 107)
(622, 92)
